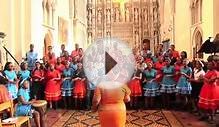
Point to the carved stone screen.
(128, 20)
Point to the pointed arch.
(197, 41)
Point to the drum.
(40, 106)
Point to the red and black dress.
(79, 88)
(135, 84)
(38, 83)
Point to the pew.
(18, 121)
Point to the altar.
(129, 20)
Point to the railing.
(2, 36)
(8, 53)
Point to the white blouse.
(198, 73)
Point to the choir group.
(166, 79)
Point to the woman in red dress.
(4, 94)
(208, 98)
(135, 87)
(52, 89)
(79, 90)
(59, 66)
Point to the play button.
(109, 63)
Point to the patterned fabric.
(145, 118)
(67, 84)
(79, 90)
(151, 87)
(184, 86)
(168, 83)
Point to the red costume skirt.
(53, 91)
(79, 90)
(135, 87)
(209, 97)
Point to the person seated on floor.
(24, 107)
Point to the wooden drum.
(40, 106)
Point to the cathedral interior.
(141, 24)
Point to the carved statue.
(117, 14)
(127, 15)
(89, 37)
(145, 14)
(136, 15)
(89, 17)
(136, 37)
(108, 15)
(108, 33)
(99, 16)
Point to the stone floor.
(61, 118)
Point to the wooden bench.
(20, 120)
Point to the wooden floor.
(71, 118)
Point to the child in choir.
(208, 98)
(168, 83)
(12, 80)
(177, 66)
(24, 107)
(38, 81)
(24, 73)
(79, 91)
(67, 85)
(52, 89)
(135, 87)
(183, 87)
(89, 95)
(197, 83)
(151, 87)
(73, 64)
(59, 66)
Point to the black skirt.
(37, 90)
(196, 88)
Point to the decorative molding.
(128, 20)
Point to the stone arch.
(197, 41)
(47, 41)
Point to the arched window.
(197, 40)
(196, 11)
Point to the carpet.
(144, 118)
